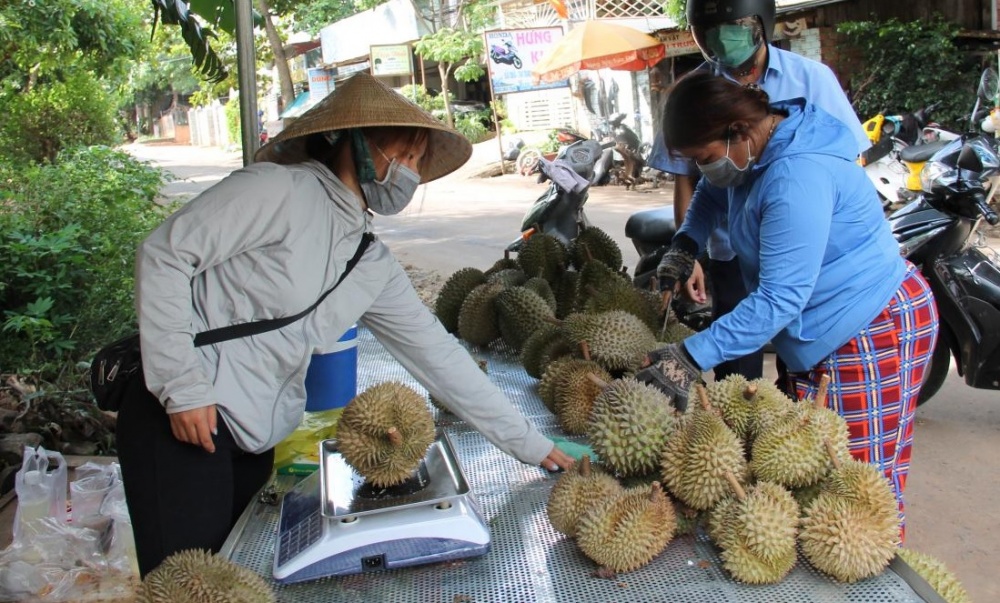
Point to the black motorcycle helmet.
(705, 17)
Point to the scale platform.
(333, 523)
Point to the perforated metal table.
(529, 561)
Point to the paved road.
(954, 483)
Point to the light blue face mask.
(393, 193)
(730, 44)
(723, 173)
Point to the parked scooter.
(559, 210)
(901, 145)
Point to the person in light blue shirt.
(826, 282)
(733, 36)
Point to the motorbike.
(939, 233)
(901, 145)
(620, 161)
(559, 210)
(505, 54)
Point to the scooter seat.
(652, 226)
(921, 152)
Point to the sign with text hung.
(512, 53)
(391, 59)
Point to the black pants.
(727, 292)
(179, 496)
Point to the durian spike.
(736, 486)
(832, 452)
(597, 380)
(585, 349)
(656, 490)
(585, 466)
(824, 384)
(395, 438)
(750, 392)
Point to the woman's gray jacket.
(266, 242)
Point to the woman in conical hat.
(266, 242)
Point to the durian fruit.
(630, 423)
(574, 392)
(674, 331)
(851, 530)
(593, 276)
(542, 255)
(511, 277)
(689, 520)
(544, 290)
(617, 340)
(384, 433)
(547, 384)
(195, 576)
(594, 244)
(626, 532)
(619, 294)
(521, 312)
(453, 293)
(936, 574)
(756, 531)
(565, 288)
(791, 452)
(477, 320)
(536, 348)
(502, 264)
(577, 490)
(733, 397)
(769, 405)
(699, 455)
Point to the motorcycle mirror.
(988, 85)
(969, 160)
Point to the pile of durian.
(764, 476)
(557, 302)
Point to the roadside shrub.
(68, 235)
(472, 125)
(55, 115)
(232, 110)
(419, 95)
(883, 79)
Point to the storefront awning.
(298, 107)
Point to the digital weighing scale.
(333, 523)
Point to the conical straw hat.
(363, 101)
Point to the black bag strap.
(257, 327)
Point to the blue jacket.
(816, 252)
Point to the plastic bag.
(92, 558)
(41, 489)
(298, 454)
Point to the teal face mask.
(731, 45)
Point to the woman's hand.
(694, 288)
(196, 426)
(557, 460)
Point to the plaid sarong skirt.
(875, 379)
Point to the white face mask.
(723, 173)
(393, 193)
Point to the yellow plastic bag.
(298, 454)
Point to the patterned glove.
(672, 371)
(677, 263)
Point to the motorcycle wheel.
(937, 372)
(527, 159)
(517, 62)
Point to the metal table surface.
(530, 561)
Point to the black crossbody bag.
(117, 364)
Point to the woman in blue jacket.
(827, 284)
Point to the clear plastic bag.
(90, 559)
(41, 489)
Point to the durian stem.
(735, 485)
(553, 320)
(597, 380)
(703, 397)
(585, 349)
(395, 438)
(832, 452)
(585, 466)
(824, 384)
(750, 392)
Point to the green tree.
(453, 49)
(677, 11)
(901, 67)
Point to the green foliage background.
(68, 235)
(901, 67)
